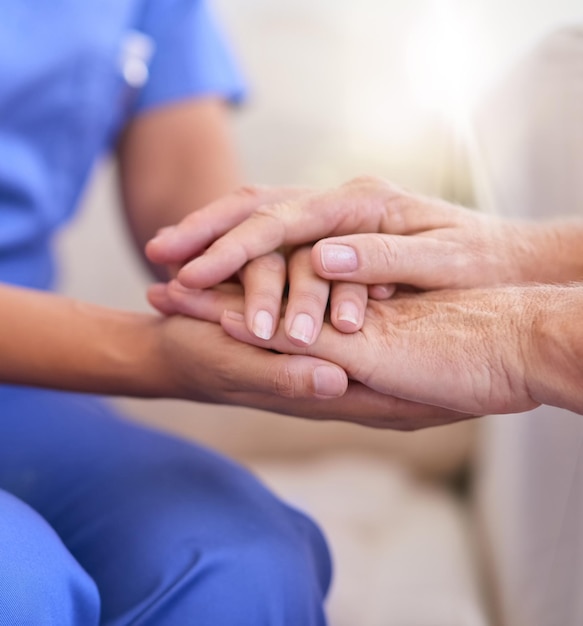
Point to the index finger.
(301, 220)
(198, 230)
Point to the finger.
(340, 352)
(363, 205)
(307, 299)
(347, 306)
(373, 409)
(158, 297)
(263, 280)
(198, 230)
(289, 376)
(292, 377)
(207, 304)
(295, 221)
(421, 261)
(358, 404)
(381, 292)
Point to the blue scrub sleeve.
(191, 57)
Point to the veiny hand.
(199, 361)
(452, 247)
(468, 351)
(382, 235)
(265, 276)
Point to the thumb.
(423, 262)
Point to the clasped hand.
(443, 350)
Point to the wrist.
(555, 367)
(126, 360)
(549, 252)
(138, 363)
(55, 342)
(157, 357)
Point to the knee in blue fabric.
(269, 577)
(172, 535)
(210, 546)
(278, 574)
(41, 584)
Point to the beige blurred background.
(339, 88)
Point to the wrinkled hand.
(467, 351)
(375, 234)
(264, 276)
(201, 362)
(452, 248)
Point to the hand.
(264, 282)
(468, 351)
(452, 247)
(200, 362)
(265, 277)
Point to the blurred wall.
(334, 93)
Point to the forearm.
(552, 252)
(174, 161)
(555, 370)
(56, 342)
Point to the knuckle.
(286, 383)
(270, 219)
(309, 299)
(271, 210)
(264, 298)
(386, 254)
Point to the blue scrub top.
(72, 72)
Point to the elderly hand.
(475, 351)
(268, 276)
(381, 235)
(470, 351)
(200, 356)
(452, 247)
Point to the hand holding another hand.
(366, 233)
(201, 362)
(471, 346)
(468, 351)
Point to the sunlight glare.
(446, 59)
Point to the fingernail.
(302, 328)
(338, 258)
(329, 382)
(348, 312)
(263, 325)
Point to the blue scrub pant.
(105, 522)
